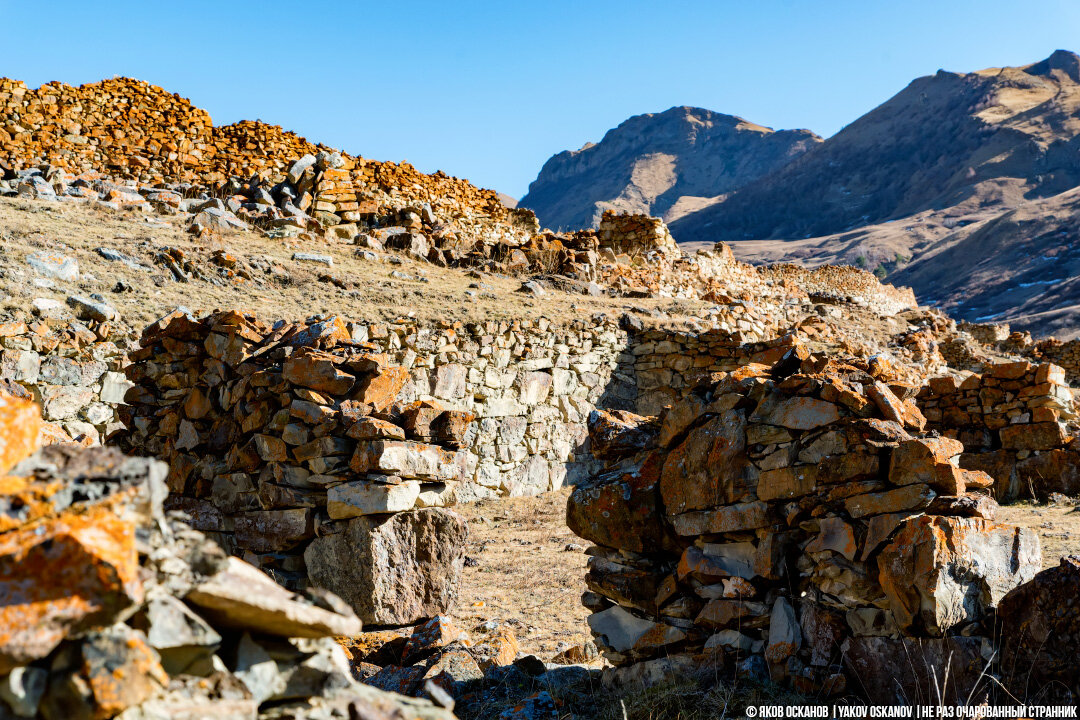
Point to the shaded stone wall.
(1017, 423)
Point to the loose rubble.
(113, 607)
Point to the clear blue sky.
(489, 90)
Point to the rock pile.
(794, 521)
(113, 608)
(1014, 422)
(289, 445)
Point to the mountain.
(965, 141)
(664, 164)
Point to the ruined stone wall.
(76, 374)
(669, 364)
(795, 522)
(1014, 421)
(292, 446)
(1063, 354)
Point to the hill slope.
(664, 164)
(963, 140)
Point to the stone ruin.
(797, 522)
(290, 447)
(76, 373)
(1014, 422)
(112, 607)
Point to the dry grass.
(371, 293)
(1058, 526)
(524, 574)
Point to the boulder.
(242, 597)
(1040, 634)
(709, 468)
(85, 571)
(940, 572)
(394, 570)
(621, 510)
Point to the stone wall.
(1017, 423)
(292, 446)
(74, 373)
(795, 522)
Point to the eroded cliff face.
(665, 164)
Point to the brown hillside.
(989, 138)
(664, 164)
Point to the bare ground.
(292, 290)
(1058, 526)
(523, 572)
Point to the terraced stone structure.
(795, 521)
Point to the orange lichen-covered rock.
(121, 670)
(317, 370)
(939, 572)
(381, 389)
(20, 425)
(621, 512)
(84, 568)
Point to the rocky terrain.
(349, 432)
(667, 164)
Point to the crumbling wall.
(113, 607)
(1017, 423)
(290, 445)
(795, 522)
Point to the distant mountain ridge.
(992, 137)
(664, 164)
(962, 185)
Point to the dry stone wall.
(795, 522)
(291, 446)
(74, 372)
(1016, 421)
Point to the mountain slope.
(952, 140)
(664, 164)
(1021, 266)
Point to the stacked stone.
(830, 283)
(291, 446)
(1014, 421)
(1064, 354)
(633, 234)
(111, 607)
(75, 373)
(790, 519)
(669, 364)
